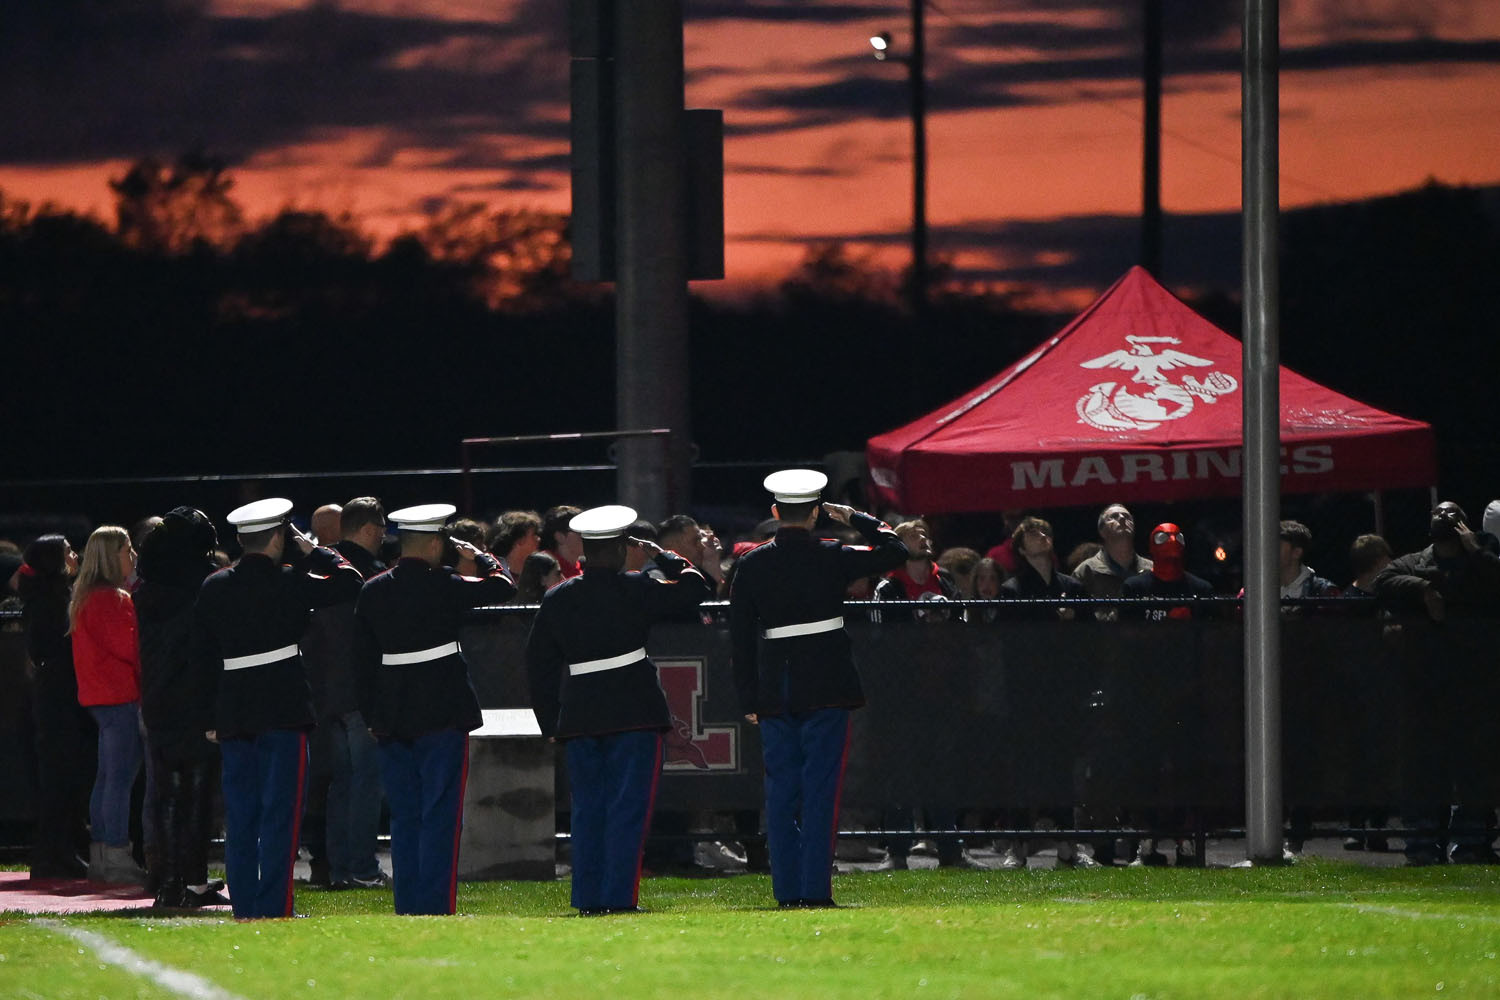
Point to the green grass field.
(1317, 929)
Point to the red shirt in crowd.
(915, 590)
(570, 567)
(106, 649)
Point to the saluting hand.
(465, 550)
(304, 542)
(652, 549)
(838, 512)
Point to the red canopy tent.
(1138, 399)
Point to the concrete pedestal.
(509, 803)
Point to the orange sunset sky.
(390, 108)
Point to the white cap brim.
(428, 517)
(262, 515)
(610, 521)
(796, 485)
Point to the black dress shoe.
(790, 904)
(819, 904)
(208, 897)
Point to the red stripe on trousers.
(640, 851)
(296, 820)
(458, 830)
(838, 789)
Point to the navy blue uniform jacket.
(601, 614)
(795, 579)
(256, 606)
(411, 607)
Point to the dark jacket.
(1150, 585)
(598, 615)
(253, 607)
(892, 588)
(416, 606)
(1469, 583)
(44, 611)
(176, 696)
(1028, 583)
(328, 648)
(795, 579)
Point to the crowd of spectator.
(107, 636)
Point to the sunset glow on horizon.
(386, 110)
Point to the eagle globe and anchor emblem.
(1112, 406)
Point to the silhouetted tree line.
(186, 338)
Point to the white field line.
(178, 981)
(1396, 911)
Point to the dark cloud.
(784, 10)
(82, 80)
(1073, 251)
(137, 76)
(775, 170)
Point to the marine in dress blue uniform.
(416, 692)
(247, 623)
(795, 673)
(594, 688)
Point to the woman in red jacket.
(107, 660)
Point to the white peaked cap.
(262, 515)
(423, 517)
(610, 521)
(796, 485)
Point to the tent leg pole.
(1380, 513)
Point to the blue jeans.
(119, 762)
(353, 811)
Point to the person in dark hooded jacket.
(175, 559)
(64, 732)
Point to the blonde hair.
(98, 567)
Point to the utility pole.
(917, 74)
(916, 86)
(648, 214)
(651, 298)
(1151, 218)
(1262, 429)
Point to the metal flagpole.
(1262, 497)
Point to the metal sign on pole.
(1262, 410)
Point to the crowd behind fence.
(1106, 719)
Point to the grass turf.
(1323, 929)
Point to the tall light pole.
(1151, 218)
(1259, 130)
(916, 75)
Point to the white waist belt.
(608, 663)
(260, 659)
(419, 655)
(806, 628)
